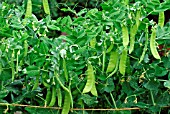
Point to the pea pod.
(29, 9)
(1, 68)
(161, 19)
(125, 35)
(48, 96)
(53, 97)
(146, 44)
(67, 102)
(133, 31)
(12, 65)
(66, 89)
(93, 89)
(110, 48)
(112, 61)
(36, 82)
(93, 42)
(59, 97)
(46, 7)
(152, 44)
(25, 48)
(122, 64)
(138, 15)
(18, 53)
(115, 70)
(90, 79)
(65, 69)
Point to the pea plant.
(110, 58)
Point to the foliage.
(79, 69)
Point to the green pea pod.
(112, 61)
(25, 48)
(65, 69)
(66, 89)
(138, 16)
(110, 48)
(18, 53)
(125, 35)
(53, 97)
(46, 7)
(12, 65)
(29, 9)
(152, 44)
(93, 89)
(133, 31)
(36, 82)
(48, 96)
(59, 97)
(90, 79)
(93, 42)
(146, 44)
(122, 64)
(161, 19)
(1, 68)
(67, 102)
(115, 70)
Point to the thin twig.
(59, 108)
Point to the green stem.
(153, 101)
(104, 56)
(113, 100)
(107, 100)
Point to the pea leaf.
(167, 84)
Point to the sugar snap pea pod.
(25, 48)
(59, 97)
(146, 44)
(110, 48)
(153, 44)
(1, 68)
(122, 64)
(93, 42)
(66, 106)
(65, 69)
(138, 16)
(115, 70)
(36, 82)
(48, 96)
(18, 53)
(125, 35)
(161, 19)
(12, 65)
(46, 7)
(66, 89)
(133, 31)
(90, 79)
(53, 97)
(29, 9)
(93, 89)
(112, 61)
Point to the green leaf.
(89, 100)
(109, 86)
(160, 71)
(152, 84)
(167, 84)
(3, 93)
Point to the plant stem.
(107, 100)
(153, 102)
(114, 103)
(104, 56)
